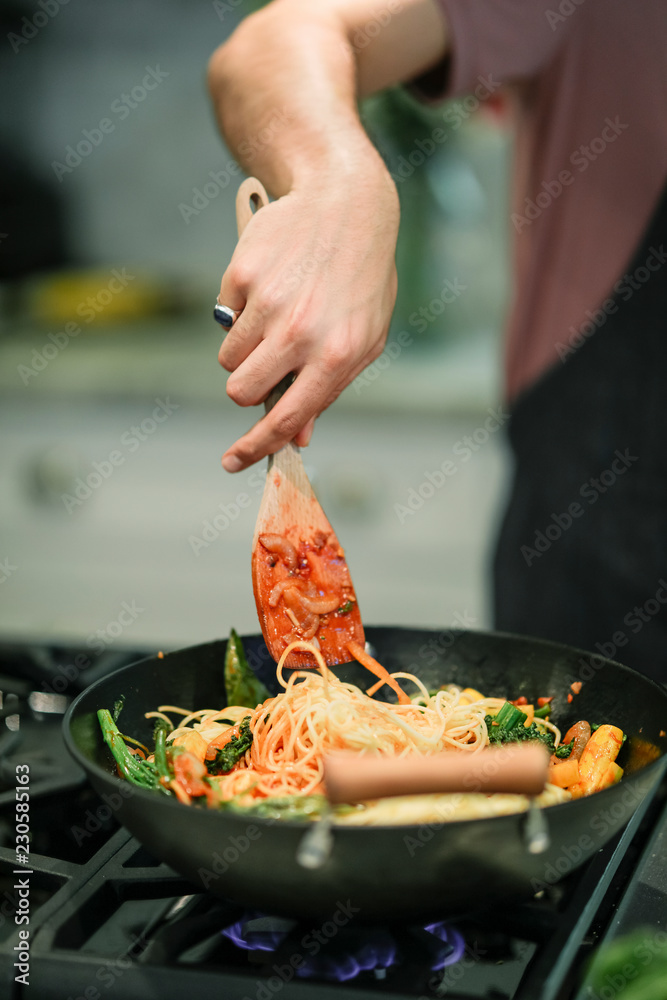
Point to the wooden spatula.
(519, 768)
(300, 578)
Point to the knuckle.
(240, 274)
(267, 299)
(246, 453)
(335, 356)
(239, 393)
(287, 425)
(298, 331)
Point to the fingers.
(244, 335)
(294, 412)
(241, 341)
(259, 373)
(232, 293)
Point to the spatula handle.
(518, 769)
(250, 197)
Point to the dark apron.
(582, 551)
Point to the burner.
(339, 953)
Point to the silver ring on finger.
(225, 316)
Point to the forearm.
(285, 85)
(313, 277)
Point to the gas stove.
(106, 920)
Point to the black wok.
(400, 872)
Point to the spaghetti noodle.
(317, 713)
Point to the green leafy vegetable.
(509, 716)
(508, 727)
(241, 685)
(162, 765)
(564, 750)
(118, 707)
(231, 752)
(345, 609)
(135, 769)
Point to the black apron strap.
(582, 552)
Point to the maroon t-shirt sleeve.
(589, 82)
(506, 40)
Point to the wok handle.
(521, 769)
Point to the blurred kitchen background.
(117, 218)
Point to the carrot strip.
(220, 741)
(360, 654)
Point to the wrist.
(343, 158)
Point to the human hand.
(314, 279)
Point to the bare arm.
(314, 272)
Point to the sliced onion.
(307, 631)
(281, 587)
(308, 622)
(282, 547)
(320, 605)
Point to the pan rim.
(343, 829)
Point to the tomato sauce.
(320, 572)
